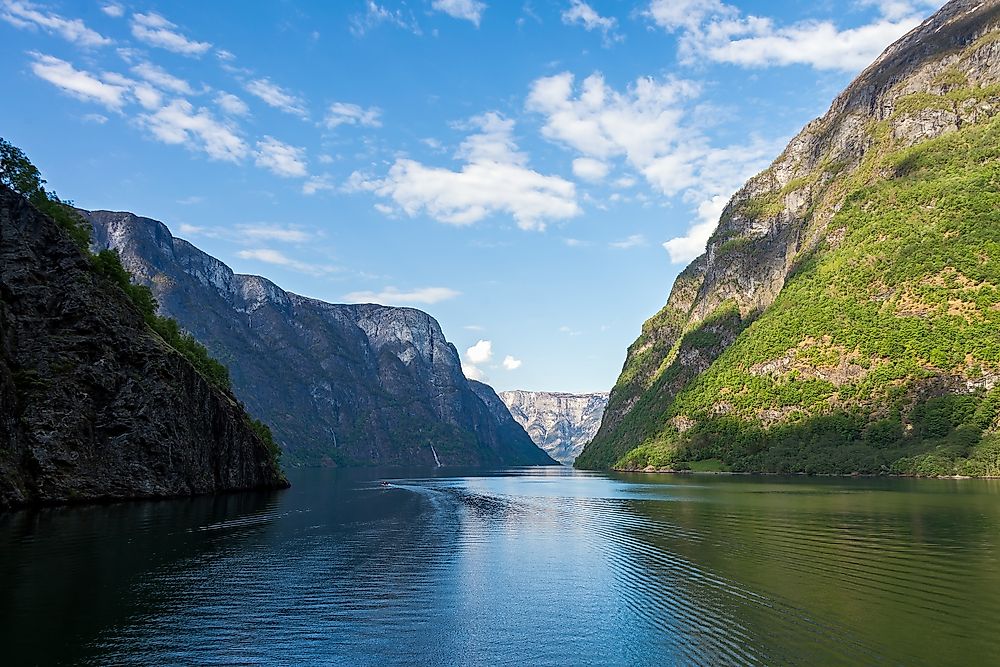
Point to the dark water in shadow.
(546, 567)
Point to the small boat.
(385, 483)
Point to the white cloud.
(106, 90)
(155, 30)
(28, 15)
(375, 15)
(713, 30)
(280, 158)
(473, 372)
(99, 119)
(653, 126)
(493, 179)
(190, 200)
(273, 95)
(191, 230)
(231, 104)
(269, 256)
(469, 10)
(318, 184)
(581, 13)
(687, 247)
(633, 241)
(481, 352)
(474, 327)
(274, 233)
(590, 169)
(342, 113)
(113, 10)
(391, 296)
(510, 363)
(162, 79)
(180, 123)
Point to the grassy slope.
(875, 331)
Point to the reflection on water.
(538, 566)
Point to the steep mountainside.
(845, 316)
(515, 432)
(338, 384)
(561, 424)
(95, 405)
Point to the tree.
(17, 172)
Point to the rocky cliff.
(845, 316)
(94, 404)
(561, 424)
(338, 384)
(513, 429)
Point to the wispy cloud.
(106, 90)
(275, 233)
(270, 256)
(342, 113)
(582, 14)
(391, 296)
(157, 31)
(230, 104)
(31, 16)
(114, 10)
(275, 96)
(180, 123)
(162, 79)
(280, 158)
(633, 241)
(654, 127)
(468, 10)
(715, 31)
(494, 179)
(376, 15)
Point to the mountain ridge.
(340, 384)
(721, 360)
(561, 423)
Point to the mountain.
(561, 424)
(95, 405)
(527, 447)
(845, 316)
(338, 384)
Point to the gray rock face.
(338, 384)
(93, 404)
(561, 424)
(516, 433)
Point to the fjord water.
(545, 566)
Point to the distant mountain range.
(561, 424)
(339, 384)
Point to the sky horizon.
(532, 174)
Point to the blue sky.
(532, 173)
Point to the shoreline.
(666, 471)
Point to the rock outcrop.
(93, 404)
(855, 250)
(560, 423)
(338, 384)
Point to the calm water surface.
(545, 567)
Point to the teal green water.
(549, 567)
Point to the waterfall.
(436, 459)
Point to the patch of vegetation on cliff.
(870, 338)
(20, 175)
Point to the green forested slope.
(879, 351)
